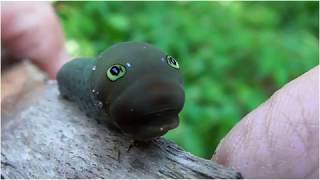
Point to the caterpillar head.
(141, 89)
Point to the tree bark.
(45, 136)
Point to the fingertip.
(277, 139)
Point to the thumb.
(280, 139)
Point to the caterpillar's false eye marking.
(115, 72)
(172, 62)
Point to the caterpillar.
(131, 85)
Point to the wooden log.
(45, 136)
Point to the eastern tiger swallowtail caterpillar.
(133, 86)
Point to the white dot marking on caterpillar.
(100, 104)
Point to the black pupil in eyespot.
(115, 70)
(172, 61)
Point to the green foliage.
(233, 55)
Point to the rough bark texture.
(45, 136)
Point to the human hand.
(32, 30)
(280, 139)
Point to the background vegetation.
(233, 55)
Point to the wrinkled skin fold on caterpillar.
(133, 86)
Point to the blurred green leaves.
(233, 55)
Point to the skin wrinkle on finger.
(261, 149)
(288, 100)
(296, 130)
(305, 125)
(286, 126)
(283, 140)
(234, 146)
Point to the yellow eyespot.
(115, 72)
(172, 62)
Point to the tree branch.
(45, 136)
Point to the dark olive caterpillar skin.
(133, 86)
